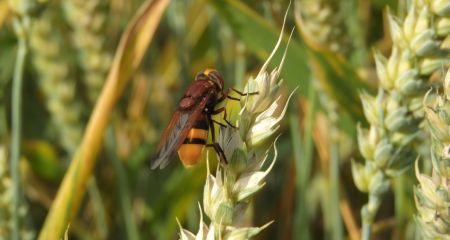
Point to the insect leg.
(233, 98)
(218, 123)
(243, 94)
(238, 92)
(216, 145)
(219, 151)
(225, 95)
(224, 110)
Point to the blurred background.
(310, 192)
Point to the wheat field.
(334, 120)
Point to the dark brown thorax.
(208, 84)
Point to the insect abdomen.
(192, 147)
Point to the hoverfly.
(187, 131)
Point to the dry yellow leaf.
(131, 49)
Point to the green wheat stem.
(401, 212)
(304, 165)
(301, 228)
(337, 231)
(239, 66)
(308, 138)
(366, 230)
(124, 195)
(177, 24)
(16, 125)
(98, 207)
(336, 221)
(3, 115)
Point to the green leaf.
(7, 58)
(339, 79)
(260, 38)
(180, 192)
(43, 159)
(340, 82)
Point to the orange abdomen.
(192, 148)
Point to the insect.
(187, 131)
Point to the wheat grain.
(55, 80)
(394, 114)
(432, 195)
(88, 22)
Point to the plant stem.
(401, 209)
(366, 230)
(336, 221)
(98, 208)
(308, 138)
(300, 229)
(16, 125)
(303, 164)
(124, 195)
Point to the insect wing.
(174, 135)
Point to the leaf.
(7, 57)
(131, 49)
(43, 159)
(180, 192)
(260, 38)
(336, 75)
(339, 78)
(340, 82)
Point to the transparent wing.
(174, 135)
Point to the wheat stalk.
(395, 113)
(325, 29)
(23, 10)
(227, 194)
(432, 195)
